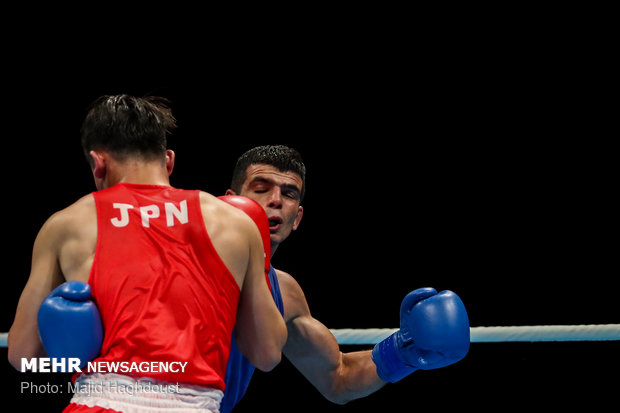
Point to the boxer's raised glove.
(434, 333)
(70, 324)
(258, 215)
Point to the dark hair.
(281, 157)
(125, 126)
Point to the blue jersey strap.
(239, 370)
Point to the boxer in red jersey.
(171, 271)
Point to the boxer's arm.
(314, 351)
(260, 331)
(45, 275)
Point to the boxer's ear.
(98, 165)
(300, 214)
(170, 156)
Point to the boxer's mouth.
(274, 223)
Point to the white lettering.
(136, 367)
(148, 212)
(29, 364)
(103, 387)
(44, 365)
(172, 212)
(58, 365)
(112, 366)
(91, 367)
(71, 387)
(183, 366)
(33, 388)
(51, 365)
(74, 364)
(124, 219)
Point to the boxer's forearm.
(340, 377)
(23, 340)
(358, 378)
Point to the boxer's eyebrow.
(285, 188)
(260, 180)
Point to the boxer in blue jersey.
(434, 326)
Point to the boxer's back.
(162, 290)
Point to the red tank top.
(162, 290)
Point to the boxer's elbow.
(264, 349)
(22, 350)
(261, 336)
(269, 353)
(337, 398)
(14, 357)
(267, 360)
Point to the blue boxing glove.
(70, 324)
(434, 333)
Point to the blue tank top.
(239, 370)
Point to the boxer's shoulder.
(71, 221)
(293, 297)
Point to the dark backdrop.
(492, 180)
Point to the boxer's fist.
(69, 323)
(258, 215)
(434, 333)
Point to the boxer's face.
(279, 194)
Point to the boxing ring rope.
(587, 332)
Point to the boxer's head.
(123, 127)
(274, 176)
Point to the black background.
(485, 168)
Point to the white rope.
(590, 332)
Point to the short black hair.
(281, 157)
(125, 126)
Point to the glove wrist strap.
(390, 368)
